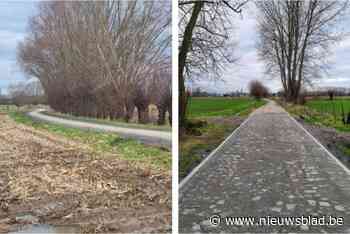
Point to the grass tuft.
(100, 142)
(322, 112)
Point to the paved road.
(270, 166)
(150, 137)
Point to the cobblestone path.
(269, 167)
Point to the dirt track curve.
(150, 137)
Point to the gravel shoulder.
(48, 179)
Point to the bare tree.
(97, 58)
(204, 41)
(162, 93)
(295, 37)
(139, 44)
(257, 89)
(26, 93)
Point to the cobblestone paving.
(269, 167)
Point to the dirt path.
(51, 180)
(269, 167)
(151, 137)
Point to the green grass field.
(330, 112)
(220, 106)
(100, 142)
(327, 106)
(323, 112)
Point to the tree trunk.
(185, 47)
(129, 111)
(161, 115)
(143, 114)
(170, 117)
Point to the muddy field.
(45, 179)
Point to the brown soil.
(60, 182)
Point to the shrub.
(257, 89)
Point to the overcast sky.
(14, 19)
(249, 67)
(13, 23)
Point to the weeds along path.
(150, 137)
(269, 167)
(56, 181)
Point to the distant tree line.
(330, 92)
(101, 59)
(237, 93)
(25, 93)
(198, 92)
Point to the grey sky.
(14, 17)
(248, 68)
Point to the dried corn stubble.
(53, 178)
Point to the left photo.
(85, 116)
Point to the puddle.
(45, 228)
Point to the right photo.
(264, 116)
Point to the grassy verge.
(335, 106)
(314, 116)
(118, 123)
(211, 124)
(193, 148)
(344, 148)
(105, 142)
(7, 108)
